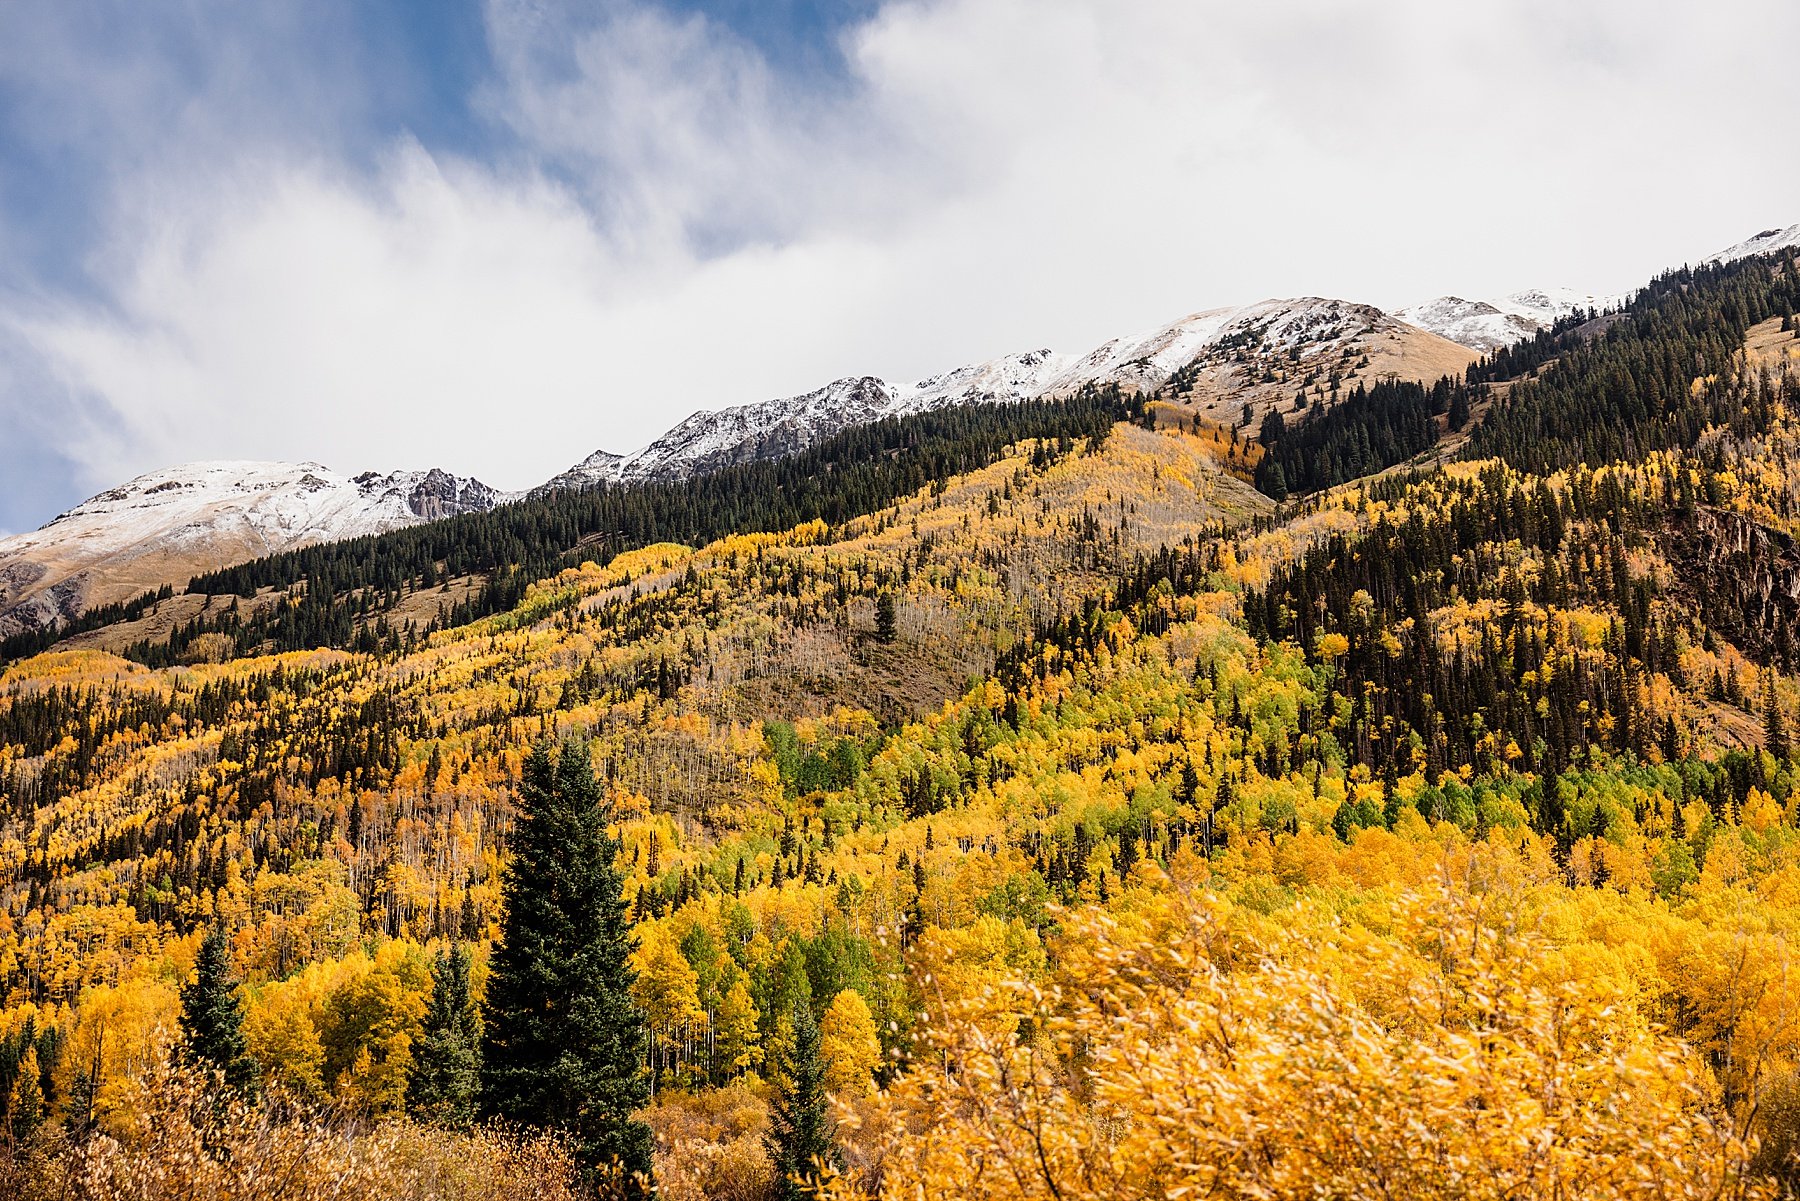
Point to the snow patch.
(1766, 242)
(1489, 325)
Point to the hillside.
(1490, 325)
(1219, 361)
(162, 528)
(165, 528)
(1431, 833)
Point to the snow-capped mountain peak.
(1217, 340)
(715, 438)
(1767, 241)
(1488, 325)
(1011, 377)
(601, 467)
(164, 526)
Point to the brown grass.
(188, 1141)
(709, 1145)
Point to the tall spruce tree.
(212, 1032)
(886, 621)
(801, 1138)
(563, 1045)
(446, 1071)
(1775, 739)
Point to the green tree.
(1459, 409)
(1774, 730)
(25, 1102)
(212, 1033)
(801, 1139)
(446, 1071)
(563, 1045)
(1277, 483)
(886, 628)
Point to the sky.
(495, 237)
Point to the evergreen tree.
(25, 1101)
(563, 1045)
(800, 1138)
(212, 1032)
(1459, 409)
(885, 626)
(1276, 483)
(446, 1070)
(1774, 731)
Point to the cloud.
(664, 220)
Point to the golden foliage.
(1184, 1049)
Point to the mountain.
(771, 429)
(598, 468)
(165, 526)
(1487, 325)
(1215, 361)
(1763, 243)
(1229, 366)
(711, 439)
(1477, 780)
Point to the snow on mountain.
(1013, 377)
(1547, 306)
(1477, 324)
(711, 439)
(601, 467)
(1763, 243)
(168, 525)
(1488, 325)
(1143, 360)
(1139, 362)
(715, 438)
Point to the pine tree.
(563, 1045)
(25, 1101)
(212, 1032)
(446, 1070)
(1277, 483)
(1774, 731)
(885, 623)
(1459, 409)
(801, 1139)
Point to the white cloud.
(682, 226)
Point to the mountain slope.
(1488, 325)
(772, 429)
(1766, 242)
(1218, 359)
(1229, 366)
(165, 526)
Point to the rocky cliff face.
(1742, 575)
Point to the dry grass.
(189, 1142)
(709, 1146)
